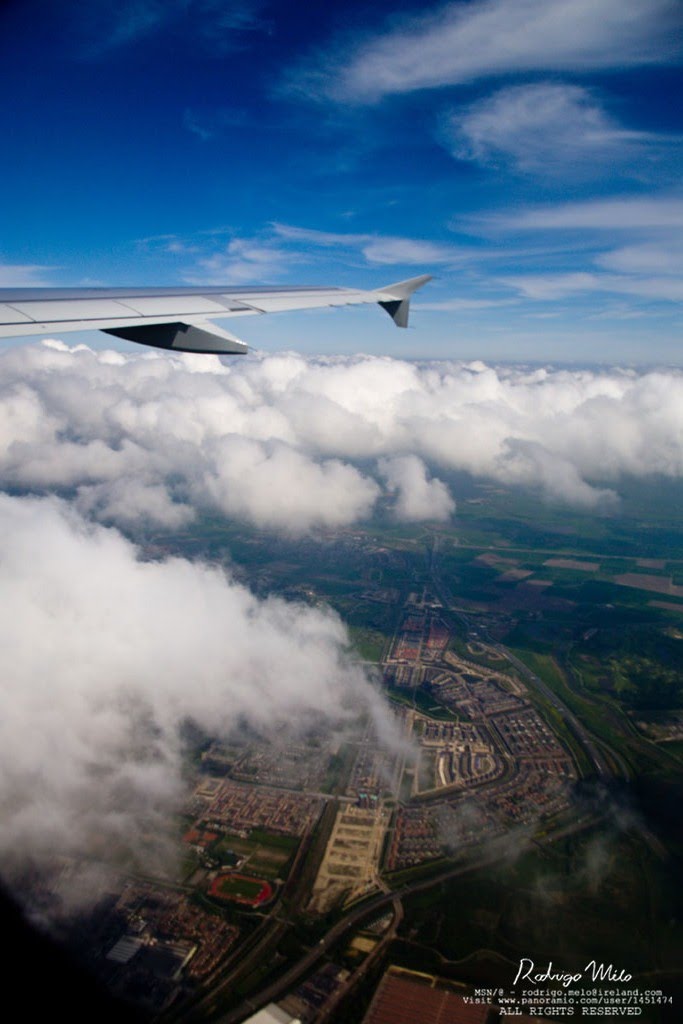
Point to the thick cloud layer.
(291, 443)
(105, 657)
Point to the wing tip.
(395, 298)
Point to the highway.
(597, 757)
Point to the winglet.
(395, 298)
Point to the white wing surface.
(178, 318)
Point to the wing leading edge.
(179, 319)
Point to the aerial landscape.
(343, 671)
(507, 789)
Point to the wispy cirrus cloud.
(207, 124)
(549, 287)
(665, 257)
(241, 261)
(222, 257)
(620, 213)
(376, 248)
(649, 266)
(100, 28)
(459, 43)
(460, 305)
(25, 275)
(544, 128)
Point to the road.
(597, 757)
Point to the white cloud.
(407, 250)
(417, 497)
(552, 286)
(648, 266)
(668, 288)
(214, 257)
(546, 128)
(530, 462)
(24, 275)
(284, 442)
(663, 257)
(277, 486)
(241, 261)
(102, 28)
(107, 656)
(462, 42)
(548, 287)
(460, 305)
(376, 248)
(208, 123)
(625, 213)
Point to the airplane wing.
(178, 318)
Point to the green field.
(600, 895)
(421, 700)
(268, 854)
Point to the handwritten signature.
(593, 970)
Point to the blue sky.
(525, 152)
